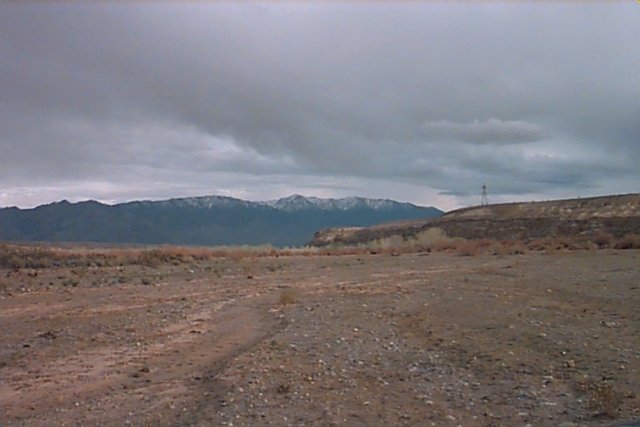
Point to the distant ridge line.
(541, 202)
(199, 221)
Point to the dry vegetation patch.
(435, 240)
(628, 242)
(289, 296)
(18, 256)
(603, 239)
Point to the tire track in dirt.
(106, 385)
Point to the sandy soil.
(538, 339)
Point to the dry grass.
(469, 248)
(603, 240)
(427, 238)
(15, 257)
(447, 245)
(631, 241)
(514, 247)
(434, 240)
(554, 244)
(539, 244)
(602, 397)
(424, 241)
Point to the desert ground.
(546, 338)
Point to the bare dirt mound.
(617, 215)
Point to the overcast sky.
(415, 101)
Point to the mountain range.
(207, 220)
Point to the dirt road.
(538, 339)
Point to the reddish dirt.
(537, 339)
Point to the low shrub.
(425, 239)
(630, 241)
(602, 239)
(601, 397)
(469, 248)
(445, 245)
(514, 247)
(289, 296)
(539, 244)
(17, 257)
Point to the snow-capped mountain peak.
(200, 202)
(293, 203)
(298, 202)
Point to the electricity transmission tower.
(485, 199)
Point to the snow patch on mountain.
(293, 203)
(201, 202)
(298, 202)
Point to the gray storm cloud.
(490, 131)
(415, 101)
